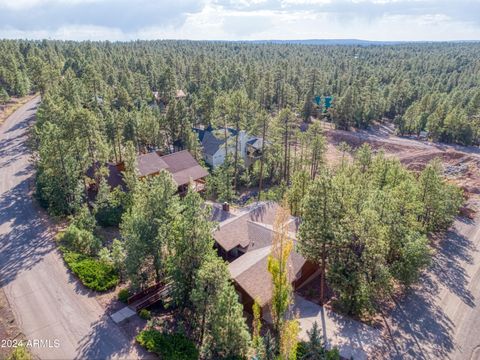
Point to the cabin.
(161, 100)
(245, 242)
(182, 165)
(185, 170)
(180, 94)
(213, 144)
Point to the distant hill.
(349, 42)
(328, 42)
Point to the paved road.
(440, 319)
(47, 301)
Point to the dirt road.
(49, 303)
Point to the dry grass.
(9, 329)
(12, 105)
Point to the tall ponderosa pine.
(317, 231)
(148, 226)
(190, 248)
(217, 318)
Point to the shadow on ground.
(24, 239)
(422, 328)
(104, 342)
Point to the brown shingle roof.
(149, 164)
(250, 273)
(181, 165)
(238, 232)
(233, 234)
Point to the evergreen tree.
(148, 226)
(297, 191)
(4, 97)
(218, 316)
(191, 246)
(317, 230)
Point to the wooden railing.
(147, 292)
(161, 294)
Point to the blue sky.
(241, 19)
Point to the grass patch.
(168, 346)
(92, 273)
(19, 353)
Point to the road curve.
(48, 302)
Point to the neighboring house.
(184, 168)
(161, 101)
(179, 94)
(246, 241)
(213, 144)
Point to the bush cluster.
(91, 272)
(168, 346)
(20, 353)
(123, 295)
(81, 240)
(145, 314)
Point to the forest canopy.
(430, 87)
(100, 96)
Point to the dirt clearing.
(461, 164)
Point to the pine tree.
(440, 201)
(221, 330)
(317, 230)
(297, 191)
(4, 97)
(148, 226)
(191, 246)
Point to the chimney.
(226, 207)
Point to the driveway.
(49, 304)
(437, 319)
(352, 338)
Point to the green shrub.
(109, 212)
(168, 346)
(145, 314)
(302, 349)
(275, 193)
(304, 354)
(333, 354)
(84, 219)
(19, 353)
(123, 295)
(80, 240)
(91, 272)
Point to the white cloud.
(71, 32)
(242, 19)
(29, 4)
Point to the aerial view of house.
(245, 241)
(240, 180)
(217, 143)
(185, 170)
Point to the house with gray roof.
(215, 146)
